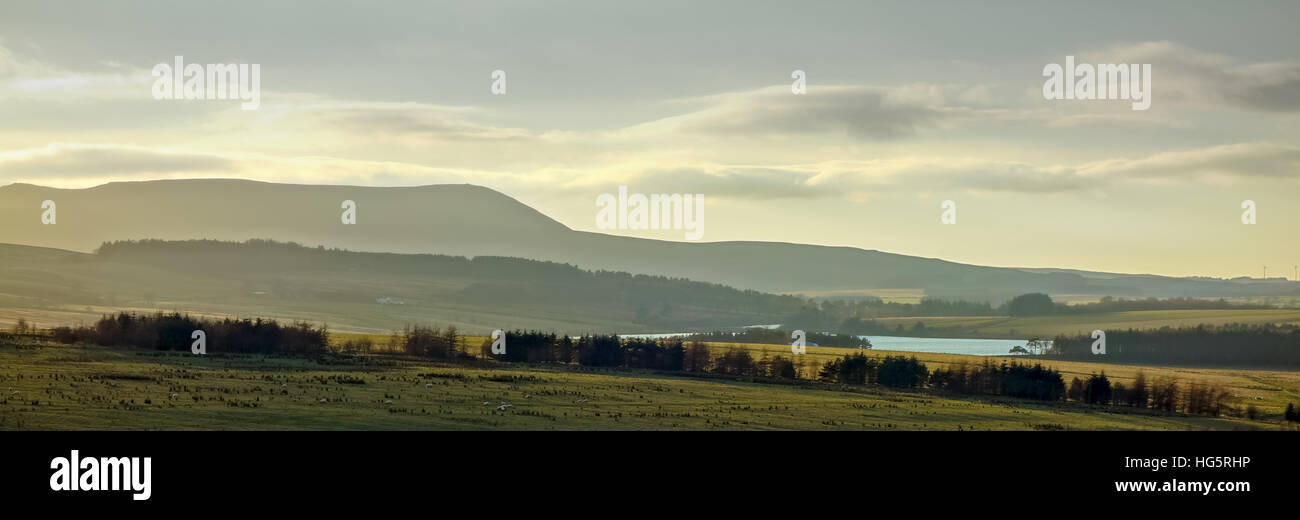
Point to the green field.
(61, 387)
(1070, 324)
(1268, 390)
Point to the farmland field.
(1070, 324)
(59, 387)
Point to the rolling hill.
(475, 221)
(364, 292)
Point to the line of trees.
(1009, 379)
(1164, 394)
(430, 342)
(665, 354)
(1233, 344)
(874, 307)
(1029, 304)
(1112, 304)
(891, 371)
(779, 337)
(1039, 304)
(173, 331)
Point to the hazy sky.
(908, 104)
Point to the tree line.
(173, 331)
(1165, 394)
(1028, 304)
(781, 336)
(1039, 304)
(1232, 344)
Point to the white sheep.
(504, 406)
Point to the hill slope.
(470, 220)
(365, 292)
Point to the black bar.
(360, 468)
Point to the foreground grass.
(58, 387)
(1268, 390)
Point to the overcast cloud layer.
(907, 105)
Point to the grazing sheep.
(323, 401)
(175, 395)
(485, 403)
(504, 406)
(390, 401)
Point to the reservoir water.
(973, 347)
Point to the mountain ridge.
(471, 220)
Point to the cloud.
(88, 164)
(413, 120)
(859, 179)
(25, 77)
(850, 179)
(840, 179)
(15, 66)
(1182, 73)
(1244, 160)
(872, 113)
(81, 161)
(858, 112)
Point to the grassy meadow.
(1070, 324)
(73, 387)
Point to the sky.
(907, 105)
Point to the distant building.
(389, 301)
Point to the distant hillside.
(375, 292)
(472, 221)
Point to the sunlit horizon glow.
(687, 98)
